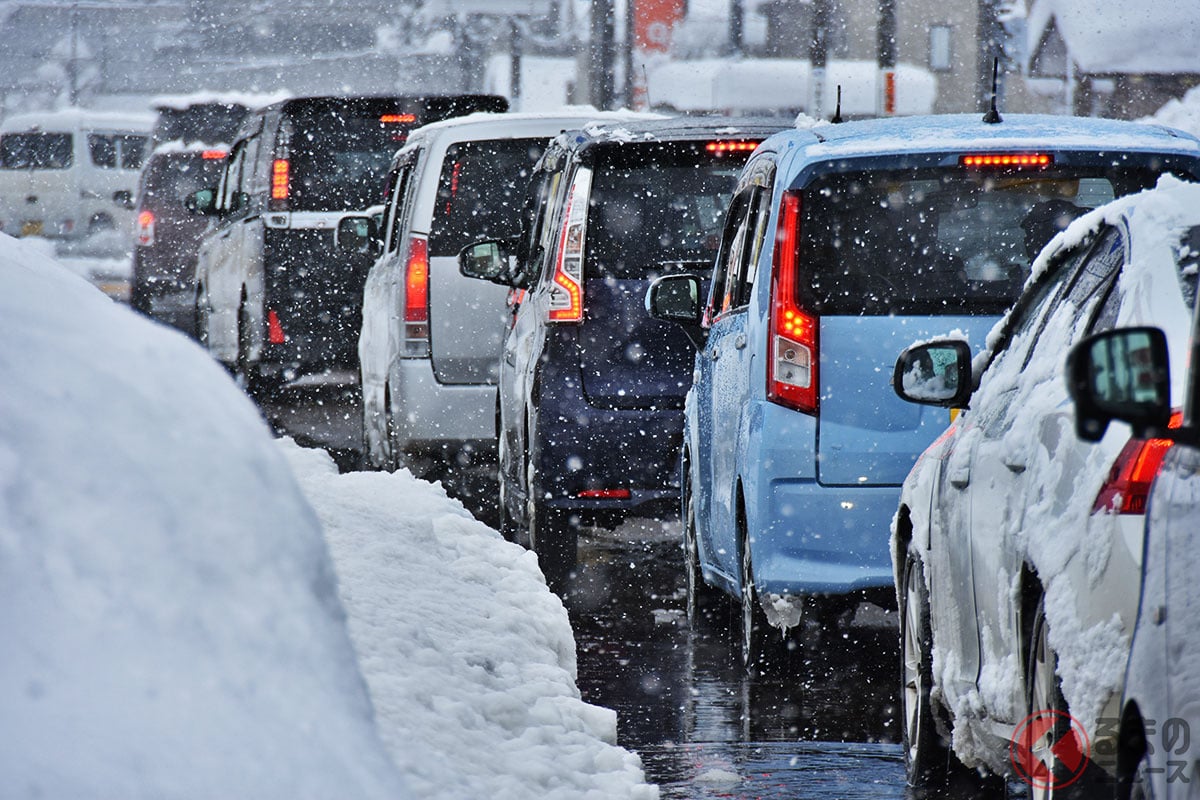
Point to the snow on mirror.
(930, 373)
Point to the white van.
(69, 174)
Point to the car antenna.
(993, 116)
(837, 114)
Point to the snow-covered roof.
(76, 118)
(762, 85)
(952, 132)
(179, 102)
(1106, 38)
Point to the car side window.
(758, 237)
(397, 203)
(541, 236)
(729, 257)
(232, 179)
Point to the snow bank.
(168, 610)
(469, 658)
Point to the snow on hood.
(168, 607)
(469, 657)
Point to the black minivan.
(274, 299)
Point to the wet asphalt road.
(822, 724)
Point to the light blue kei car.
(844, 244)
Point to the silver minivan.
(430, 343)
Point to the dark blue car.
(592, 388)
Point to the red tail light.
(212, 155)
(1128, 486)
(145, 228)
(604, 494)
(416, 298)
(1006, 160)
(275, 334)
(792, 357)
(280, 183)
(397, 119)
(731, 147)
(566, 296)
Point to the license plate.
(31, 228)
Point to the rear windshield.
(117, 150)
(340, 156)
(35, 151)
(939, 241)
(169, 179)
(657, 208)
(480, 192)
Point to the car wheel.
(259, 387)
(758, 639)
(201, 318)
(1052, 752)
(702, 599)
(552, 535)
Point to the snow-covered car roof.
(76, 118)
(179, 146)
(683, 128)
(964, 132)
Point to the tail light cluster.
(566, 295)
(145, 228)
(281, 171)
(416, 298)
(1128, 485)
(792, 357)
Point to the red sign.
(653, 21)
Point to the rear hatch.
(36, 183)
(895, 256)
(655, 208)
(481, 187)
(164, 226)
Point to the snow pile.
(469, 658)
(1183, 114)
(168, 609)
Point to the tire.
(1044, 693)
(931, 768)
(260, 388)
(553, 535)
(760, 643)
(702, 600)
(201, 318)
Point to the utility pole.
(601, 52)
(818, 54)
(885, 48)
(73, 59)
(737, 26)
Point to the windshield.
(939, 241)
(35, 151)
(480, 192)
(170, 179)
(657, 208)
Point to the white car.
(1017, 548)
(430, 344)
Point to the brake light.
(792, 358)
(604, 494)
(730, 147)
(275, 334)
(566, 290)
(397, 119)
(212, 155)
(1006, 160)
(416, 298)
(280, 179)
(1128, 485)
(145, 228)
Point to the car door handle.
(715, 354)
(960, 476)
(1015, 463)
(740, 341)
(510, 357)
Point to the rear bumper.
(814, 539)
(430, 416)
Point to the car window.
(171, 178)
(657, 207)
(729, 255)
(542, 230)
(36, 151)
(116, 150)
(939, 240)
(480, 191)
(232, 179)
(339, 156)
(398, 201)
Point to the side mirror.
(202, 202)
(1120, 374)
(357, 235)
(124, 199)
(678, 299)
(487, 261)
(936, 373)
